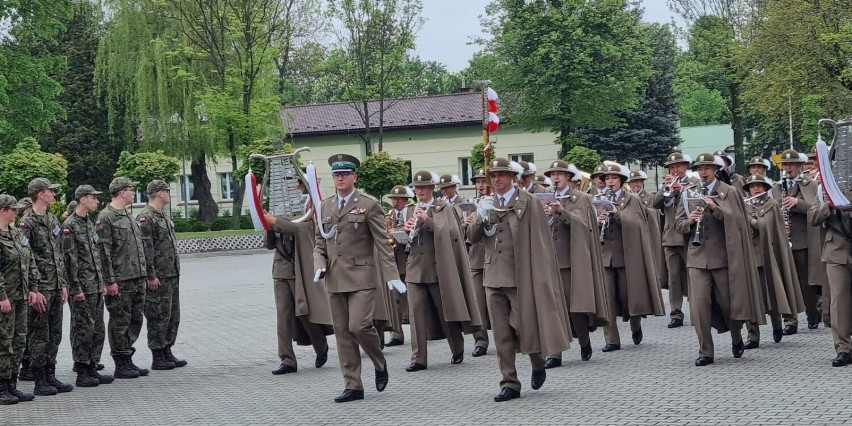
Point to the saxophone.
(389, 224)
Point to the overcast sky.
(451, 24)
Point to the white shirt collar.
(712, 186)
(564, 192)
(347, 197)
(507, 196)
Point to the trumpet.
(668, 190)
(696, 238)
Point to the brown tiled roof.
(417, 112)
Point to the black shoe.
(586, 353)
(457, 359)
(813, 324)
(170, 356)
(283, 369)
(676, 322)
(50, 375)
(103, 379)
(159, 361)
(350, 395)
(6, 398)
(840, 360)
(637, 337)
(122, 369)
(12, 388)
(777, 334)
(382, 378)
(790, 330)
(140, 370)
(479, 351)
(26, 375)
(84, 380)
(737, 349)
(538, 378)
(395, 342)
(507, 394)
(99, 367)
(703, 360)
(321, 358)
(415, 367)
(552, 363)
(611, 347)
(42, 386)
(752, 344)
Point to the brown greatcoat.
(803, 233)
(582, 249)
(543, 320)
(453, 269)
(654, 232)
(310, 298)
(745, 293)
(359, 256)
(783, 294)
(644, 296)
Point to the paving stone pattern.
(228, 336)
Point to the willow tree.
(148, 77)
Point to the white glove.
(319, 274)
(398, 285)
(485, 206)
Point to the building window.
(410, 173)
(184, 182)
(226, 180)
(465, 172)
(142, 196)
(522, 157)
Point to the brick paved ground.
(228, 337)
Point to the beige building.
(434, 133)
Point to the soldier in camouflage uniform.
(44, 333)
(86, 288)
(162, 300)
(123, 265)
(18, 274)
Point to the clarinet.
(785, 183)
(609, 195)
(696, 239)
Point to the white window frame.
(465, 172)
(227, 179)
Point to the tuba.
(282, 176)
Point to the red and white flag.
(491, 95)
(493, 122)
(255, 204)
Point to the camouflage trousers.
(44, 333)
(162, 310)
(125, 316)
(13, 339)
(87, 328)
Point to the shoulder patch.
(367, 196)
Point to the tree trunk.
(368, 140)
(237, 194)
(739, 128)
(381, 121)
(207, 206)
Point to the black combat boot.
(159, 361)
(26, 374)
(12, 387)
(122, 369)
(104, 379)
(140, 370)
(170, 357)
(84, 380)
(42, 386)
(6, 398)
(50, 375)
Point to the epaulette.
(367, 196)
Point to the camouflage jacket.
(82, 257)
(120, 242)
(158, 237)
(18, 273)
(45, 237)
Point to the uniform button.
(499, 230)
(499, 251)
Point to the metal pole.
(185, 191)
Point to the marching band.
(538, 261)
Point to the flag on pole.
(255, 205)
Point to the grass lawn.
(207, 234)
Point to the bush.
(199, 226)
(245, 222)
(221, 224)
(194, 213)
(182, 225)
